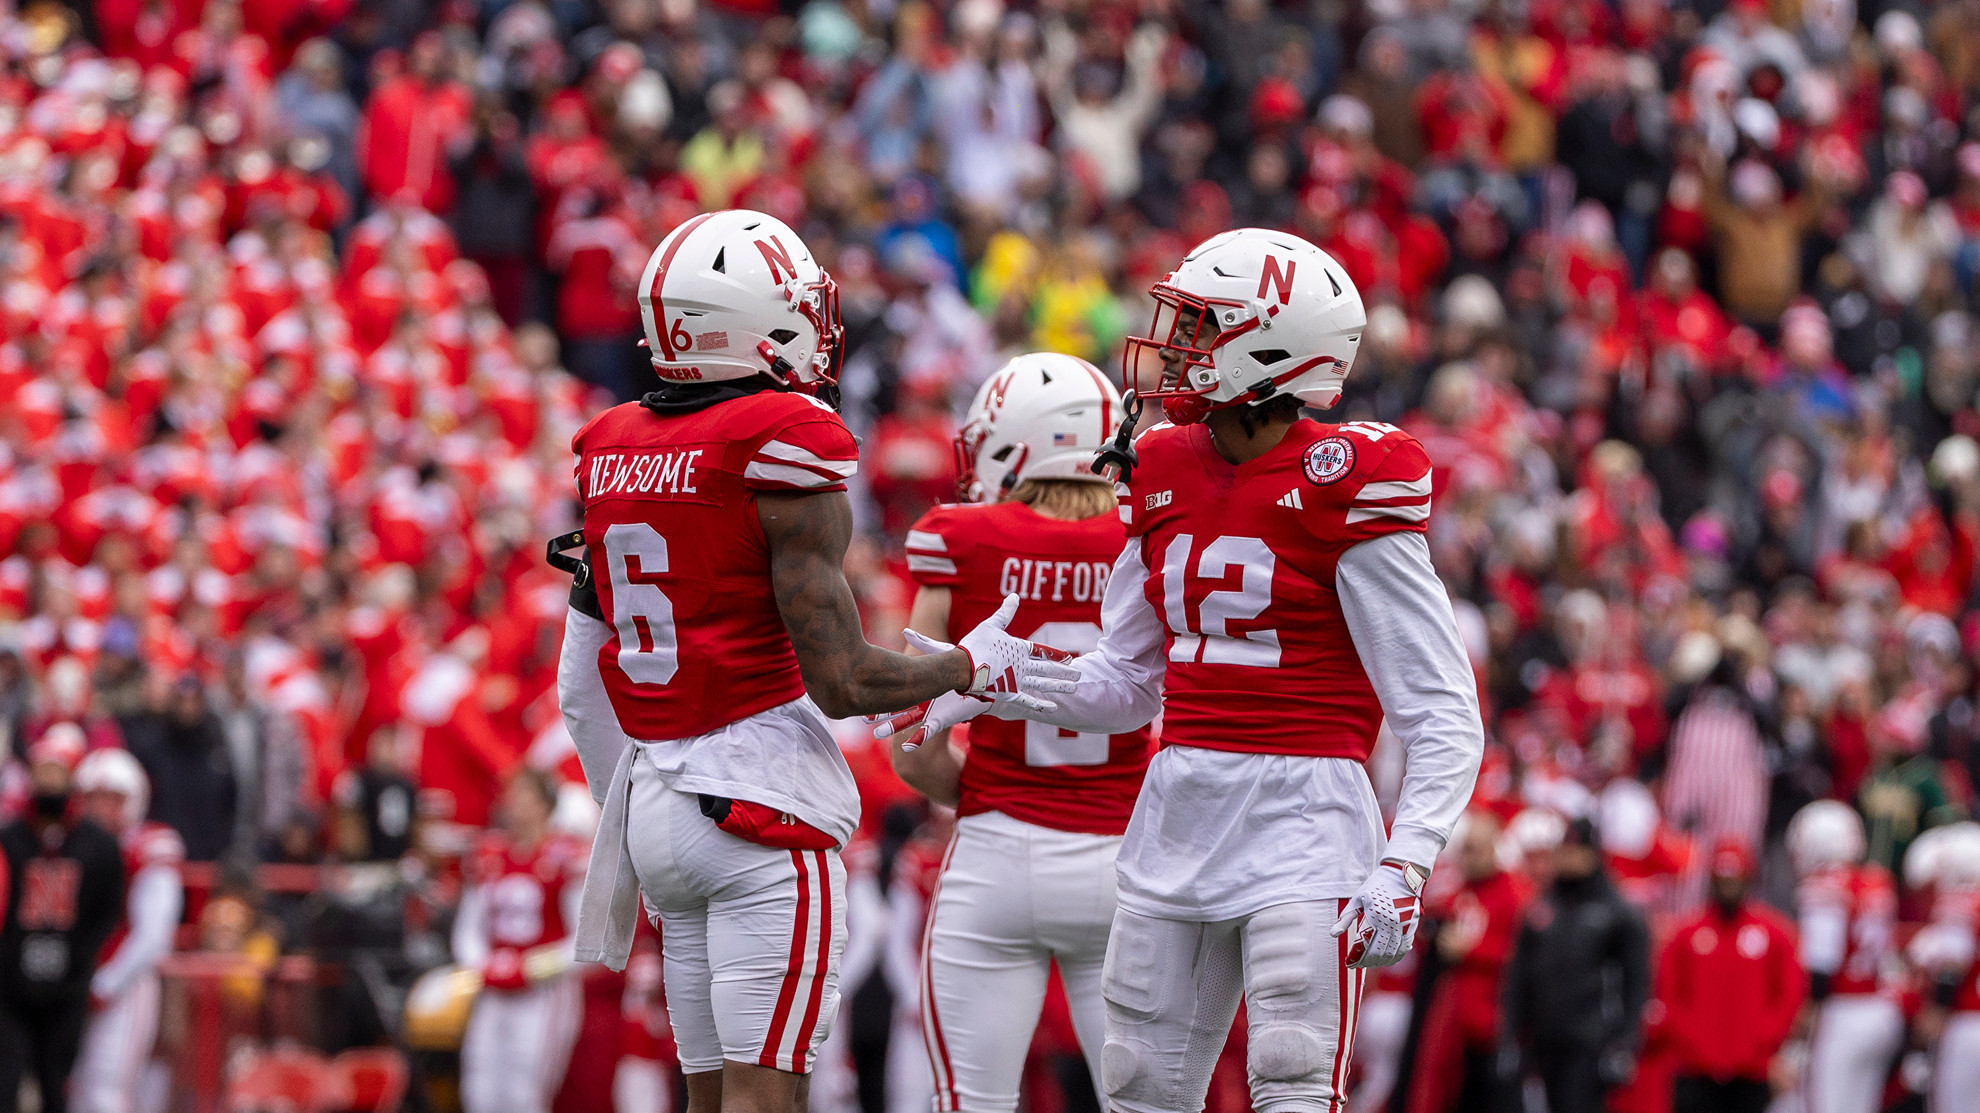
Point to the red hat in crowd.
(62, 743)
(1732, 858)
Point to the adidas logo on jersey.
(1292, 500)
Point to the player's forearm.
(1406, 635)
(934, 768)
(869, 680)
(846, 675)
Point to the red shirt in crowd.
(1730, 987)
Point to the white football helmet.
(118, 772)
(1946, 856)
(1924, 858)
(1532, 831)
(1252, 314)
(736, 293)
(1823, 834)
(1041, 416)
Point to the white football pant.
(750, 935)
(517, 1044)
(1956, 1066)
(116, 1046)
(1172, 989)
(1857, 1036)
(642, 1086)
(1014, 896)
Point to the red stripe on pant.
(931, 1029)
(801, 1050)
(1342, 979)
(794, 969)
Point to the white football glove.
(925, 720)
(1004, 670)
(1383, 915)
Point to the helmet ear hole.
(1003, 453)
(1270, 356)
(782, 336)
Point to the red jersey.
(525, 889)
(1241, 562)
(681, 564)
(146, 845)
(1731, 987)
(1033, 771)
(1866, 896)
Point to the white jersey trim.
(792, 474)
(936, 565)
(790, 453)
(1395, 489)
(1416, 513)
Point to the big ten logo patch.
(1329, 459)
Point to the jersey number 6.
(642, 614)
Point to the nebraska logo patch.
(1329, 459)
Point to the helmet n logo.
(998, 388)
(778, 259)
(1279, 281)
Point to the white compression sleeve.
(1400, 618)
(588, 713)
(153, 906)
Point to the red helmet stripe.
(1106, 404)
(660, 283)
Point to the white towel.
(609, 914)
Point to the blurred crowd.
(301, 301)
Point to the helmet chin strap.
(1118, 459)
(780, 369)
(1189, 409)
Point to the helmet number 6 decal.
(679, 338)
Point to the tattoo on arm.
(808, 535)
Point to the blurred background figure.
(1730, 987)
(517, 913)
(1847, 912)
(114, 1066)
(1578, 979)
(65, 898)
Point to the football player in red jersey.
(1029, 880)
(514, 924)
(1847, 911)
(1274, 601)
(716, 522)
(125, 989)
(1946, 860)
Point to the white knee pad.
(1286, 1053)
(1169, 1002)
(1282, 967)
(1124, 1063)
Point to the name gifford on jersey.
(1057, 581)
